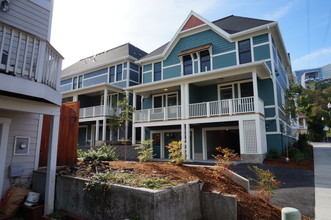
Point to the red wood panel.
(192, 22)
(68, 136)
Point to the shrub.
(292, 151)
(145, 152)
(299, 157)
(80, 153)
(224, 160)
(266, 183)
(272, 153)
(176, 154)
(105, 152)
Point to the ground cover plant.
(224, 160)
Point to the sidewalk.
(322, 166)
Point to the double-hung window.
(204, 61)
(112, 74)
(245, 51)
(187, 64)
(119, 73)
(80, 81)
(74, 83)
(157, 71)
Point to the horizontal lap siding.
(270, 112)
(224, 60)
(147, 77)
(29, 17)
(171, 72)
(23, 124)
(265, 90)
(260, 39)
(262, 52)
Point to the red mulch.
(249, 206)
(304, 165)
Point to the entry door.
(156, 145)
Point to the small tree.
(224, 161)
(118, 120)
(145, 152)
(177, 154)
(266, 183)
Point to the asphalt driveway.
(297, 188)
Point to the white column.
(51, 165)
(133, 135)
(126, 135)
(97, 130)
(182, 101)
(134, 105)
(187, 101)
(105, 105)
(241, 137)
(142, 134)
(75, 98)
(5, 122)
(183, 138)
(188, 142)
(258, 136)
(255, 91)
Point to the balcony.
(200, 110)
(97, 111)
(29, 58)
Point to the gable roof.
(105, 57)
(234, 24)
(226, 26)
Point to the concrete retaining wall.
(120, 202)
(123, 152)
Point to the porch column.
(142, 134)
(133, 135)
(51, 165)
(134, 105)
(255, 91)
(97, 130)
(182, 102)
(75, 98)
(105, 105)
(126, 135)
(186, 100)
(188, 142)
(241, 137)
(183, 138)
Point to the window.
(204, 61)
(74, 84)
(187, 61)
(244, 51)
(172, 100)
(112, 74)
(246, 89)
(157, 71)
(119, 72)
(157, 101)
(80, 81)
(226, 92)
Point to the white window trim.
(164, 96)
(219, 87)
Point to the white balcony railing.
(97, 111)
(203, 109)
(26, 56)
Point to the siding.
(121, 84)
(203, 93)
(224, 60)
(171, 72)
(261, 52)
(23, 124)
(260, 39)
(147, 68)
(270, 112)
(265, 90)
(147, 77)
(95, 81)
(219, 45)
(29, 17)
(147, 103)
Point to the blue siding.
(147, 67)
(65, 88)
(171, 72)
(269, 65)
(202, 93)
(147, 77)
(133, 83)
(134, 76)
(262, 52)
(147, 103)
(96, 73)
(66, 81)
(265, 90)
(224, 60)
(219, 45)
(196, 66)
(270, 112)
(134, 66)
(260, 39)
(96, 80)
(271, 125)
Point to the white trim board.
(5, 122)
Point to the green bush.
(299, 157)
(292, 151)
(272, 153)
(145, 152)
(105, 152)
(80, 153)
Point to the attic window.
(194, 50)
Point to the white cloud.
(313, 59)
(276, 15)
(82, 28)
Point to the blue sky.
(82, 28)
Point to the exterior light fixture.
(5, 5)
(329, 106)
(165, 89)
